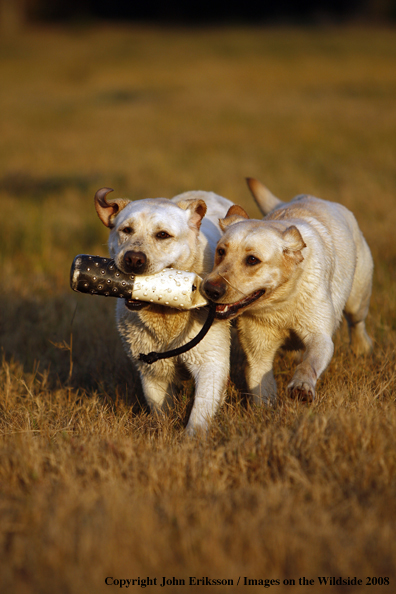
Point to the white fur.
(315, 265)
(159, 328)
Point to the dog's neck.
(167, 324)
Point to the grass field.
(92, 486)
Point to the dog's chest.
(165, 323)
(155, 328)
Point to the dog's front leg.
(210, 386)
(209, 364)
(260, 378)
(318, 354)
(158, 390)
(260, 346)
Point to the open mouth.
(135, 304)
(225, 311)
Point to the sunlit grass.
(91, 485)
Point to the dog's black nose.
(214, 290)
(134, 262)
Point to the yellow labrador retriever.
(147, 236)
(289, 278)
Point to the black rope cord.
(153, 356)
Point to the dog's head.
(149, 235)
(253, 260)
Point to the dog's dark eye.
(252, 261)
(127, 230)
(221, 252)
(163, 235)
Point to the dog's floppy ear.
(234, 215)
(197, 208)
(293, 243)
(107, 210)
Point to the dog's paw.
(200, 431)
(301, 390)
(361, 345)
(267, 401)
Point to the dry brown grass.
(91, 485)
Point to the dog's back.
(349, 262)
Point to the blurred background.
(153, 99)
(17, 12)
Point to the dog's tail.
(264, 199)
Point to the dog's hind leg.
(360, 341)
(357, 306)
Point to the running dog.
(289, 278)
(147, 236)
